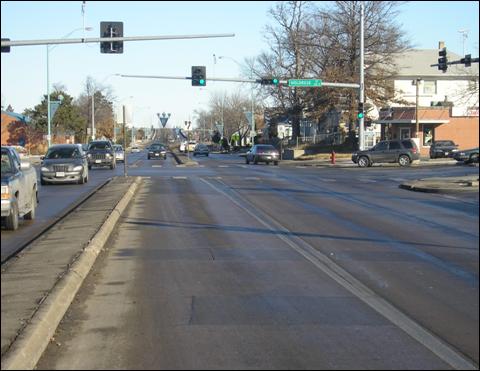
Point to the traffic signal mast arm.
(107, 39)
(258, 81)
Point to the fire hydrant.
(332, 157)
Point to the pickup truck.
(19, 189)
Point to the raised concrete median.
(39, 285)
(443, 184)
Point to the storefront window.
(427, 136)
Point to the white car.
(135, 149)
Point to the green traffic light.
(360, 115)
(202, 82)
(275, 81)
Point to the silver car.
(64, 163)
(262, 153)
(119, 152)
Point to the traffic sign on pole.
(305, 82)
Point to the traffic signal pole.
(361, 120)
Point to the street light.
(49, 135)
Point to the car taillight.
(5, 193)
(414, 149)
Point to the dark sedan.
(262, 153)
(157, 150)
(469, 156)
(443, 148)
(64, 163)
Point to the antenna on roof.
(464, 33)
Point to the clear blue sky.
(23, 79)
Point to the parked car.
(101, 153)
(19, 189)
(262, 153)
(401, 151)
(443, 148)
(469, 156)
(201, 149)
(157, 150)
(64, 163)
(119, 152)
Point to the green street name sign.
(305, 82)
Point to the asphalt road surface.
(233, 266)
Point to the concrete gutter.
(443, 185)
(31, 342)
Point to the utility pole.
(362, 79)
(124, 145)
(93, 115)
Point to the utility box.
(291, 154)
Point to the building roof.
(17, 116)
(416, 62)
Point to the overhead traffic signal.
(442, 60)
(360, 113)
(467, 60)
(5, 49)
(199, 76)
(111, 29)
(269, 81)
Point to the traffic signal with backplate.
(360, 113)
(265, 81)
(111, 29)
(199, 76)
(442, 60)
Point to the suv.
(101, 153)
(443, 148)
(401, 151)
(157, 150)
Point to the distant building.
(446, 109)
(14, 129)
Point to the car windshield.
(118, 148)
(61, 153)
(99, 145)
(444, 143)
(156, 147)
(6, 165)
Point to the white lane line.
(179, 177)
(252, 178)
(421, 334)
(366, 180)
(156, 165)
(327, 180)
(223, 165)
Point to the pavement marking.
(327, 180)
(156, 165)
(398, 179)
(252, 178)
(179, 177)
(223, 165)
(366, 180)
(428, 339)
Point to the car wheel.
(275, 163)
(404, 160)
(255, 161)
(247, 161)
(89, 167)
(42, 182)
(363, 161)
(31, 215)
(11, 221)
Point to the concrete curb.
(442, 185)
(32, 342)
